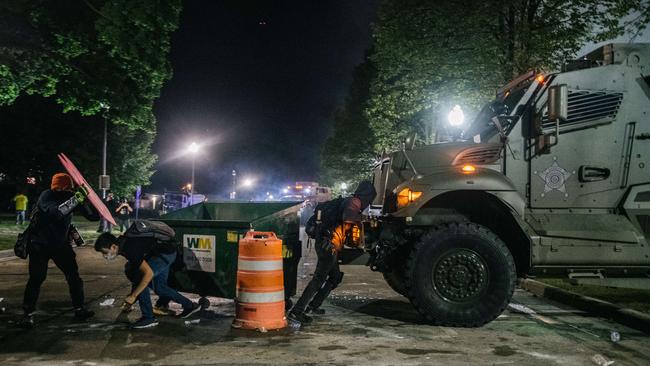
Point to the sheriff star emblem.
(555, 177)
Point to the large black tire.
(460, 274)
(395, 279)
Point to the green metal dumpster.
(210, 234)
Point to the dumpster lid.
(229, 211)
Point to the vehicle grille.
(587, 106)
(479, 155)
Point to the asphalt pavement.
(365, 323)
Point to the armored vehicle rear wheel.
(395, 279)
(460, 274)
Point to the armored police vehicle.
(551, 179)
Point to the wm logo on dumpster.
(199, 242)
(199, 252)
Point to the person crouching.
(148, 262)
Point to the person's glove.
(80, 194)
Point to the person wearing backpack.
(340, 213)
(50, 239)
(150, 251)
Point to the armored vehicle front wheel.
(395, 279)
(460, 274)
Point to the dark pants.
(160, 267)
(123, 224)
(64, 258)
(20, 217)
(326, 277)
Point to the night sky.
(257, 82)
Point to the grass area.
(628, 298)
(9, 230)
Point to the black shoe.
(27, 321)
(143, 323)
(83, 314)
(317, 311)
(189, 311)
(301, 318)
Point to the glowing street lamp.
(193, 149)
(248, 182)
(456, 116)
(344, 188)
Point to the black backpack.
(330, 217)
(164, 235)
(150, 229)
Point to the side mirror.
(558, 109)
(558, 102)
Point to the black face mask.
(62, 196)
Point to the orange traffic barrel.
(260, 283)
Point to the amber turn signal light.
(407, 196)
(468, 169)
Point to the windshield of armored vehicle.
(483, 124)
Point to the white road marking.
(520, 308)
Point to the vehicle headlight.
(407, 196)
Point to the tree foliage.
(430, 56)
(93, 57)
(347, 154)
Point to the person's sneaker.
(301, 318)
(189, 311)
(27, 321)
(143, 323)
(83, 314)
(163, 311)
(317, 311)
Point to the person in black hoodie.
(327, 275)
(51, 240)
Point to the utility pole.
(104, 178)
(192, 183)
(233, 194)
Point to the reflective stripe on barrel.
(259, 265)
(260, 297)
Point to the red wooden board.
(80, 181)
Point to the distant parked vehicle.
(173, 201)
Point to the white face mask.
(110, 256)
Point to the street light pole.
(233, 194)
(194, 148)
(192, 184)
(104, 154)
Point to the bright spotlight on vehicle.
(456, 116)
